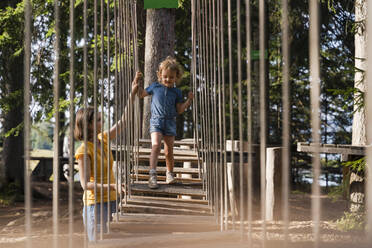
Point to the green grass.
(336, 193)
(351, 222)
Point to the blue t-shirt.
(164, 100)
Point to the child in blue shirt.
(166, 103)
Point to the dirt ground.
(12, 228)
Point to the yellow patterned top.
(89, 194)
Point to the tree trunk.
(359, 117)
(359, 136)
(159, 43)
(12, 155)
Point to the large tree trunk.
(359, 136)
(359, 117)
(159, 43)
(12, 155)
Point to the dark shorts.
(165, 126)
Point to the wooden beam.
(332, 148)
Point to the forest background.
(337, 30)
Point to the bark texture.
(12, 155)
(359, 136)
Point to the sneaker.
(153, 182)
(170, 177)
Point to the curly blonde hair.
(172, 64)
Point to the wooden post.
(186, 165)
(273, 182)
(230, 186)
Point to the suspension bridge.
(220, 194)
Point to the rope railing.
(218, 86)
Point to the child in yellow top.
(87, 172)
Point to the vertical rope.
(286, 121)
(232, 152)
(108, 59)
(193, 78)
(262, 115)
(369, 131)
(85, 100)
(249, 119)
(102, 103)
(220, 106)
(129, 137)
(26, 99)
(200, 7)
(214, 113)
(208, 101)
(194, 21)
(56, 126)
(136, 68)
(204, 108)
(224, 118)
(95, 100)
(117, 116)
(201, 88)
(315, 118)
(121, 164)
(240, 113)
(71, 126)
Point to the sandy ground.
(12, 228)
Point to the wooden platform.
(161, 158)
(164, 223)
(166, 189)
(145, 177)
(145, 201)
(161, 170)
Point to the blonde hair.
(172, 64)
(81, 115)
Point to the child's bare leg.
(169, 158)
(168, 151)
(155, 149)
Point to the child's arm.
(118, 125)
(85, 175)
(181, 107)
(141, 91)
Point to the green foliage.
(10, 193)
(42, 136)
(351, 222)
(15, 131)
(358, 166)
(336, 193)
